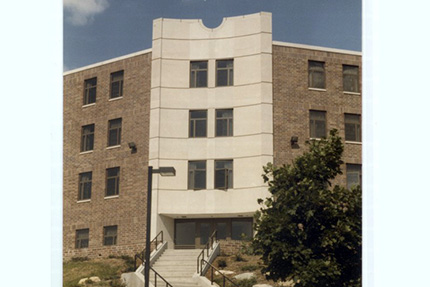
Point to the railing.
(141, 255)
(156, 275)
(224, 278)
(209, 245)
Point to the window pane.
(82, 238)
(224, 174)
(112, 181)
(353, 175)
(202, 79)
(197, 175)
(87, 139)
(200, 179)
(185, 233)
(201, 128)
(316, 75)
(317, 124)
(222, 78)
(90, 91)
(198, 123)
(221, 178)
(221, 228)
(117, 79)
(205, 229)
(198, 74)
(224, 73)
(350, 78)
(110, 234)
(352, 127)
(224, 122)
(240, 229)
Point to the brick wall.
(128, 210)
(292, 100)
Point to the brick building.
(217, 104)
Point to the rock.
(225, 272)
(289, 283)
(95, 279)
(262, 285)
(247, 275)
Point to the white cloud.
(81, 12)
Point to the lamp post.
(163, 171)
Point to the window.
(198, 74)
(353, 128)
(224, 123)
(224, 73)
(110, 235)
(241, 229)
(90, 91)
(316, 75)
(82, 238)
(350, 79)
(197, 174)
(198, 124)
(223, 174)
(317, 123)
(85, 179)
(112, 181)
(114, 137)
(116, 84)
(87, 139)
(353, 175)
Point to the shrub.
(239, 258)
(222, 263)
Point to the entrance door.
(185, 234)
(194, 233)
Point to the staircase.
(177, 266)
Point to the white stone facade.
(247, 40)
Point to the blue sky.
(97, 30)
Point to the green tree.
(308, 231)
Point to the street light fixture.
(163, 171)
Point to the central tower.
(211, 118)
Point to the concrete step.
(173, 263)
(177, 267)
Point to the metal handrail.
(162, 278)
(209, 245)
(141, 255)
(219, 272)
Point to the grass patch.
(108, 270)
(249, 267)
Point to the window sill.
(86, 152)
(113, 147)
(315, 139)
(83, 200)
(89, 105)
(115, 99)
(352, 93)
(111, 196)
(317, 89)
(351, 142)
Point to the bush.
(222, 263)
(239, 258)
